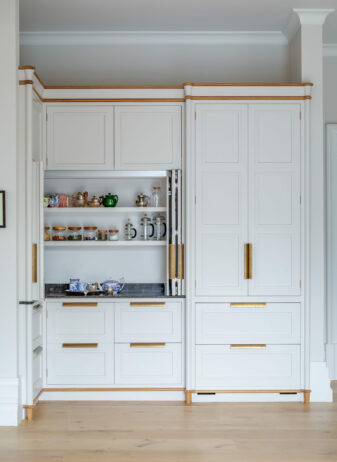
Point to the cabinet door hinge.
(300, 199)
(46, 116)
(46, 161)
(195, 115)
(300, 284)
(300, 115)
(195, 284)
(195, 199)
(47, 372)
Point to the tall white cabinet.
(246, 255)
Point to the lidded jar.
(47, 233)
(90, 233)
(102, 235)
(59, 233)
(113, 235)
(74, 233)
(155, 196)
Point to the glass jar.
(46, 233)
(59, 233)
(113, 235)
(74, 233)
(90, 233)
(155, 196)
(102, 235)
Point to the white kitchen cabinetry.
(147, 137)
(80, 137)
(248, 192)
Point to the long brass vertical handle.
(246, 270)
(34, 263)
(172, 265)
(250, 261)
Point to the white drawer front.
(148, 323)
(80, 366)
(223, 367)
(80, 323)
(157, 366)
(37, 370)
(221, 323)
(37, 328)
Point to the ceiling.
(169, 15)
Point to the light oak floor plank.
(172, 432)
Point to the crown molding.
(154, 38)
(330, 49)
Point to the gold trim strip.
(80, 304)
(247, 345)
(79, 345)
(147, 303)
(245, 304)
(34, 263)
(26, 82)
(146, 345)
(215, 98)
(172, 259)
(180, 261)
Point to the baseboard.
(331, 358)
(112, 396)
(320, 383)
(10, 406)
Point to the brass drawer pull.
(79, 304)
(147, 303)
(79, 345)
(34, 263)
(147, 345)
(250, 304)
(246, 345)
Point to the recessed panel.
(273, 198)
(220, 198)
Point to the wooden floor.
(172, 432)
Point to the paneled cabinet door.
(274, 198)
(221, 198)
(79, 137)
(148, 137)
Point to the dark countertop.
(129, 291)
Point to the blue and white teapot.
(113, 287)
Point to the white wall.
(157, 65)
(8, 265)
(330, 88)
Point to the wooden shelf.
(120, 243)
(101, 210)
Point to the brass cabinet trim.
(147, 303)
(79, 345)
(248, 304)
(247, 345)
(146, 345)
(246, 257)
(84, 304)
(34, 263)
(250, 261)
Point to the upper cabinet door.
(221, 199)
(148, 137)
(80, 137)
(274, 198)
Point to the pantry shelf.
(53, 211)
(105, 244)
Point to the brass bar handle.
(79, 345)
(246, 345)
(250, 261)
(172, 261)
(34, 263)
(180, 261)
(246, 256)
(79, 304)
(147, 303)
(147, 345)
(250, 304)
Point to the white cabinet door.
(148, 137)
(78, 364)
(225, 367)
(221, 198)
(80, 137)
(148, 323)
(222, 323)
(274, 198)
(161, 365)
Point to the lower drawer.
(226, 367)
(80, 364)
(148, 365)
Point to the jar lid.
(90, 228)
(113, 230)
(74, 228)
(46, 228)
(156, 187)
(59, 228)
(102, 230)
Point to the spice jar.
(113, 235)
(102, 235)
(59, 233)
(46, 233)
(74, 233)
(90, 233)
